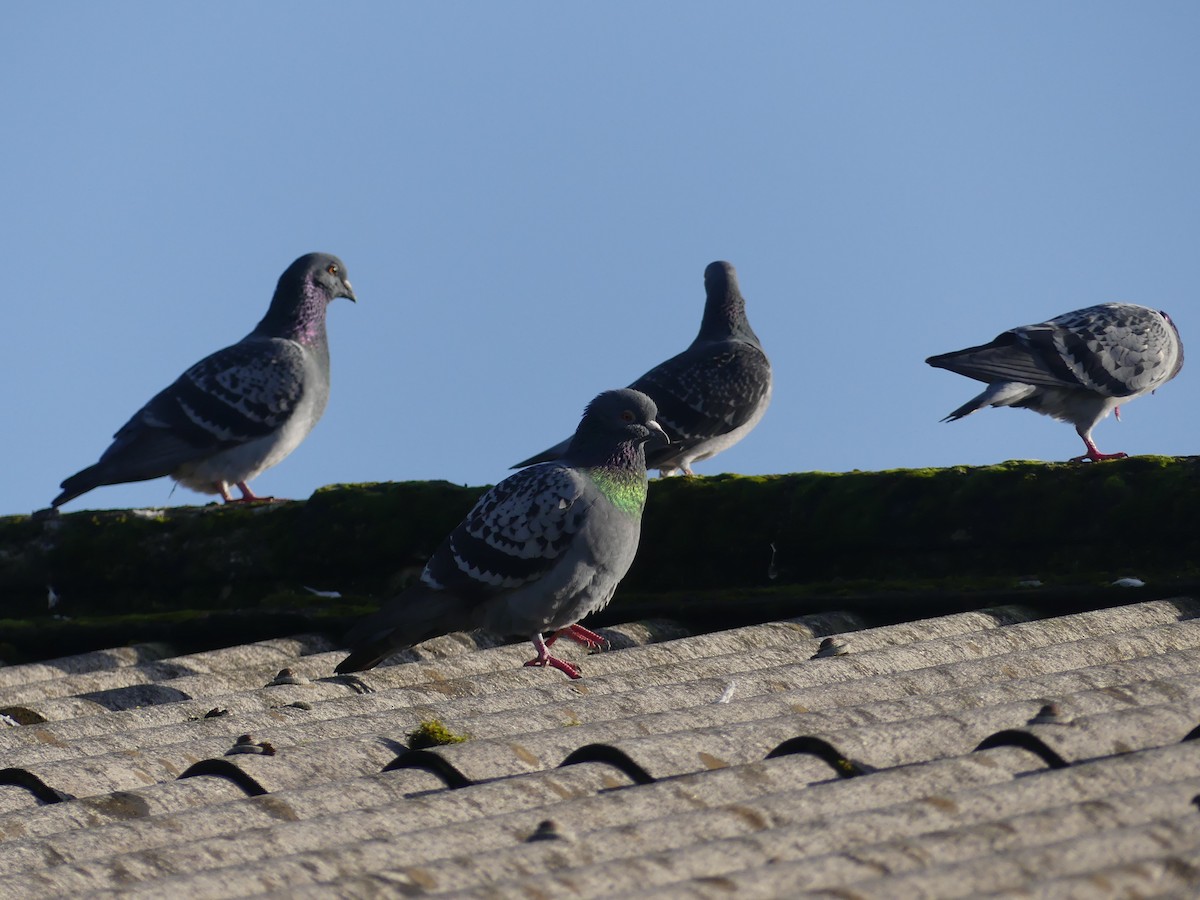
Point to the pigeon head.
(724, 306)
(322, 272)
(328, 273)
(718, 276)
(305, 288)
(616, 420)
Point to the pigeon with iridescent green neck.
(540, 550)
(240, 410)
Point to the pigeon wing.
(708, 390)
(1022, 355)
(1119, 349)
(1116, 350)
(233, 396)
(516, 534)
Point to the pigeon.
(712, 394)
(241, 410)
(538, 552)
(1076, 367)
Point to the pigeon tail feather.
(138, 454)
(365, 657)
(417, 614)
(79, 483)
(1002, 393)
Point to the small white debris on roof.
(333, 595)
(727, 694)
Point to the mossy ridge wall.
(356, 539)
(1017, 519)
(1133, 516)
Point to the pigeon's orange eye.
(332, 270)
(628, 416)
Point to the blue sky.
(526, 196)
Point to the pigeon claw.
(567, 668)
(583, 636)
(1093, 452)
(544, 658)
(578, 633)
(248, 496)
(1094, 455)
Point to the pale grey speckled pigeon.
(539, 551)
(1076, 367)
(712, 394)
(241, 410)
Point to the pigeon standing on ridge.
(539, 551)
(241, 410)
(1077, 367)
(712, 394)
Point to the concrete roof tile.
(668, 744)
(98, 660)
(965, 821)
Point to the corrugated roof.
(1006, 750)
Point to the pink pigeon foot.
(578, 633)
(248, 496)
(1094, 455)
(544, 658)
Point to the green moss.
(350, 538)
(432, 733)
(1012, 518)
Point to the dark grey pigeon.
(241, 410)
(712, 394)
(1076, 367)
(539, 551)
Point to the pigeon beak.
(656, 429)
(349, 295)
